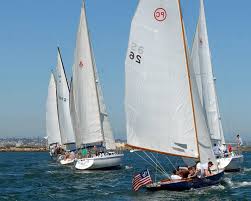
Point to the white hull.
(233, 163)
(99, 162)
(66, 161)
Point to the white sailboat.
(89, 116)
(201, 59)
(163, 109)
(52, 124)
(64, 116)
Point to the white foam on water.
(247, 169)
(127, 167)
(229, 182)
(242, 184)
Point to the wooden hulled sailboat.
(163, 109)
(52, 124)
(89, 116)
(201, 59)
(64, 116)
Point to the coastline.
(23, 149)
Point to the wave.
(247, 169)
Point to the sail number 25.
(136, 53)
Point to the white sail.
(84, 88)
(74, 117)
(105, 122)
(52, 126)
(201, 59)
(204, 140)
(158, 102)
(65, 125)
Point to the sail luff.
(189, 78)
(52, 124)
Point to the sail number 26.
(136, 53)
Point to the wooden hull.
(181, 185)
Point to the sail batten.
(160, 152)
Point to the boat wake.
(247, 169)
(232, 184)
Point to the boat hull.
(181, 185)
(233, 163)
(66, 161)
(99, 162)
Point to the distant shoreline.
(23, 149)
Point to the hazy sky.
(31, 30)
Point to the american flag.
(141, 179)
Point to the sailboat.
(64, 116)
(164, 114)
(201, 59)
(90, 120)
(52, 124)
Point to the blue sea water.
(34, 176)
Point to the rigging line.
(163, 170)
(157, 161)
(171, 162)
(149, 162)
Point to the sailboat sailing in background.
(90, 121)
(163, 109)
(65, 123)
(52, 124)
(201, 59)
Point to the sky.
(30, 32)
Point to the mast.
(188, 74)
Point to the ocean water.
(34, 176)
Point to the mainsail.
(52, 126)
(163, 110)
(85, 95)
(65, 124)
(202, 65)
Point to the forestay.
(84, 88)
(204, 76)
(52, 126)
(65, 125)
(158, 101)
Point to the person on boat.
(216, 150)
(204, 169)
(239, 143)
(239, 140)
(230, 150)
(192, 172)
(223, 150)
(175, 175)
(72, 155)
